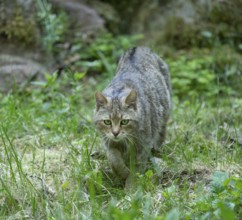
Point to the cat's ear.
(101, 100)
(131, 99)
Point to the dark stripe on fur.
(132, 55)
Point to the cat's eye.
(107, 122)
(124, 122)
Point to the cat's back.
(143, 66)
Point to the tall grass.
(48, 172)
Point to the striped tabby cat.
(132, 112)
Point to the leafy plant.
(54, 26)
(192, 77)
(224, 200)
(101, 55)
(206, 74)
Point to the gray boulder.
(16, 71)
(83, 17)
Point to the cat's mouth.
(116, 138)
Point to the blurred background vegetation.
(200, 40)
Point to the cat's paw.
(156, 152)
(130, 184)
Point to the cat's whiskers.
(130, 141)
(106, 139)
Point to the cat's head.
(116, 117)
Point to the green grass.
(47, 172)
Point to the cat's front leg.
(142, 160)
(117, 163)
(138, 164)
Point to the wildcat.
(132, 111)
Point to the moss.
(181, 35)
(228, 12)
(225, 20)
(18, 29)
(127, 12)
(219, 26)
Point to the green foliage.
(101, 55)
(224, 200)
(192, 77)
(172, 215)
(206, 73)
(54, 26)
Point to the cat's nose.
(115, 133)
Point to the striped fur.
(141, 93)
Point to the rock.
(16, 71)
(83, 17)
(109, 13)
(21, 37)
(153, 17)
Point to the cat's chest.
(122, 147)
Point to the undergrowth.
(47, 140)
